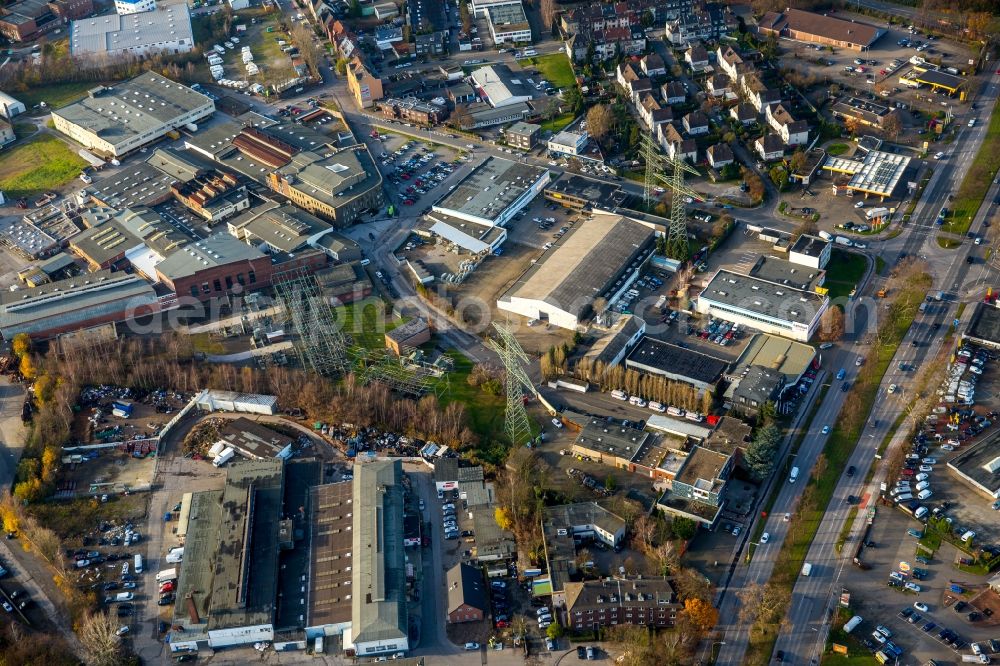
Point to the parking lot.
(841, 67)
(414, 170)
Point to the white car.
(557, 423)
(929, 461)
(938, 156)
(912, 587)
(826, 430)
(860, 204)
(892, 388)
(122, 630)
(922, 607)
(764, 537)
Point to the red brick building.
(467, 600)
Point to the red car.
(502, 624)
(167, 587)
(405, 176)
(907, 472)
(408, 202)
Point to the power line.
(512, 356)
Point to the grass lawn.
(827, 470)
(56, 95)
(558, 123)
(42, 163)
(205, 343)
(485, 412)
(978, 179)
(837, 149)
(843, 273)
(879, 265)
(947, 242)
(364, 322)
(555, 68)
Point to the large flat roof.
(985, 324)
(935, 77)
(254, 439)
(330, 570)
(113, 33)
(219, 249)
(62, 304)
(378, 601)
(586, 263)
(879, 173)
(666, 358)
(597, 193)
(134, 185)
(789, 357)
(784, 272)
(980, 465)
(611, 438)
(283, 227)
(500, 85)
(129, 109)
(230, 565)
(490, 188)
(751, 294)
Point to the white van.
(968, 536)
(807, 569)
(920, 512)
(852, 624)
(124, 596)
(138, 563)
(903, 497)
(923, 484)
(793, 475)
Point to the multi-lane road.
(803, 636)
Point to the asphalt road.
(813, 596)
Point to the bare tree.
(548, 11)
(892, 126)
(599, 121)
(302, 36)
(101, 644)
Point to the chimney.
(191, 608)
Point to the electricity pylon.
(656, 162)
(512, 356)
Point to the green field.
(977, 180)
(41, 163)
(555, 68)
(56, 95)
(843, 273)
(485, 412)
(558, 123)
(364, 323)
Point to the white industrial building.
(118, 119)
(213, 400)
(598, 259)
(499, 86)
(134, 6)
(474, 213)
(166, 29)
(568, 143)
(10, 107)
(765, 306)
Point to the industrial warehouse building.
(598, 259)
(474, 213)
(678, 364)
(80, 302)
(228, 580)
(166, 29)
(118, 119)
(333, 183)
(806, 26)
(761, 305)
(255, 441)
(379, 612)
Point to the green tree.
(341, 66)
(573, 100)
(609, 482)
(684, 528)
(554, 631)
(760, 454)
